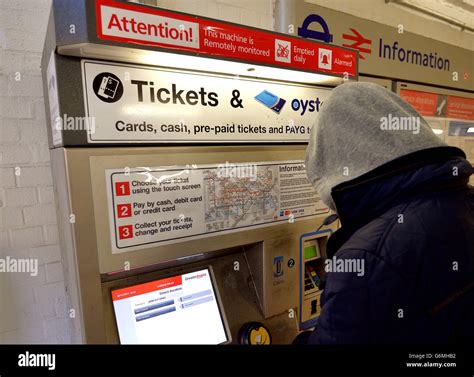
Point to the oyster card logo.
(138, 26)
(271, 101)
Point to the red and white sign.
(460, 108)
(423, 102)
(130, 23)
(141, 289)
(175, 204)
(434, 105)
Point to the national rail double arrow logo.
(358, 40)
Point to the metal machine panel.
(376, 80)
(269, 255)
(238, 295)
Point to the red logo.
(283, 51)
(358, 40)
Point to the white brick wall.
(256, 13)
(7, 177)
(17, 197)
(45, 194)
(36, 312)
(23, 237)
(32, 176)
(54, 272)
(39, 214)
(46, 254)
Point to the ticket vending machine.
(177, 148)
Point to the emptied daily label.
(155, 206)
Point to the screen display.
(311, 249)
(181, 309)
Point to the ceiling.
(459, 13)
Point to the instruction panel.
(162, 205)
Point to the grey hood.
(360, 127)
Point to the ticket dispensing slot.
(313, 255)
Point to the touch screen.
(181, 309)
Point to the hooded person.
(407, 223)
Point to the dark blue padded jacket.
(411, 222)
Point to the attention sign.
(140, 25)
